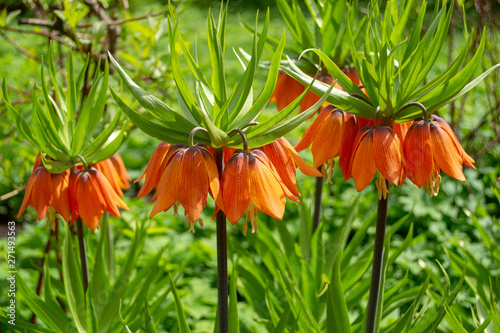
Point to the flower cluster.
(81, 192)
(259, 179)
(392, 151)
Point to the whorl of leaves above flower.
(395, 62)
(212, 105)
(60, 129)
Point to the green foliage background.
(449, 228)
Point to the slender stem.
(83, 254)
(222, 286)
(317, 202)
(378, 255)
(40, 277)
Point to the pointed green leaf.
(73, 286)
(181, 317)
(234, 323)
(156, 107)
(151, 128)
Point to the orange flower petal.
(167, 192)
(312, 130)
(444, 125)
(265, 190)
(109, 198)
(213, 177)
(89, 206)
(193, 183)
(445, 153)
(417, 150)
(27, 194)
(42, 192)
(326, 144)
(305, 168)
(363, 160)
(350, 130)
(235, 187)
(152, 172)
(284, 164)
(60, 200)
(387, 153)
(122, 175)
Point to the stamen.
(251, 215)
(381, 184)
(176, 208)
(200, 221)
(245, 227)
(432, 185)
(327, 170)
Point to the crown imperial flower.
(376, 150)
(189, 175)
(431, 146)
(90, 195)
(44, 190)
(250, 182)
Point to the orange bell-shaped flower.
(286, 160)
(154, 169)
(250, 182)
(376, 149)
(431, 146)
(190, 174)
(91, 194)
(331, 134)
(44, 190)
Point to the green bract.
(396, 61)
(209, 103)
(60, 128)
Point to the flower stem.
(83, 254)
(378, 255)
(222, 286)
(317, 203)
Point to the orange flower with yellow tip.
(376, 150)
(286, 160)
(189, 175)
(154, 169)
(90, 195)
(431, 146)
(250, 183)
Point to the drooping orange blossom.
(90, 195)
(286, 160)
(376, 150)
(45, 189)
(249, 183)
(431, 146)
(183, 175)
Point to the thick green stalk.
(222, 285)
(83, 254)
(378, 255)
